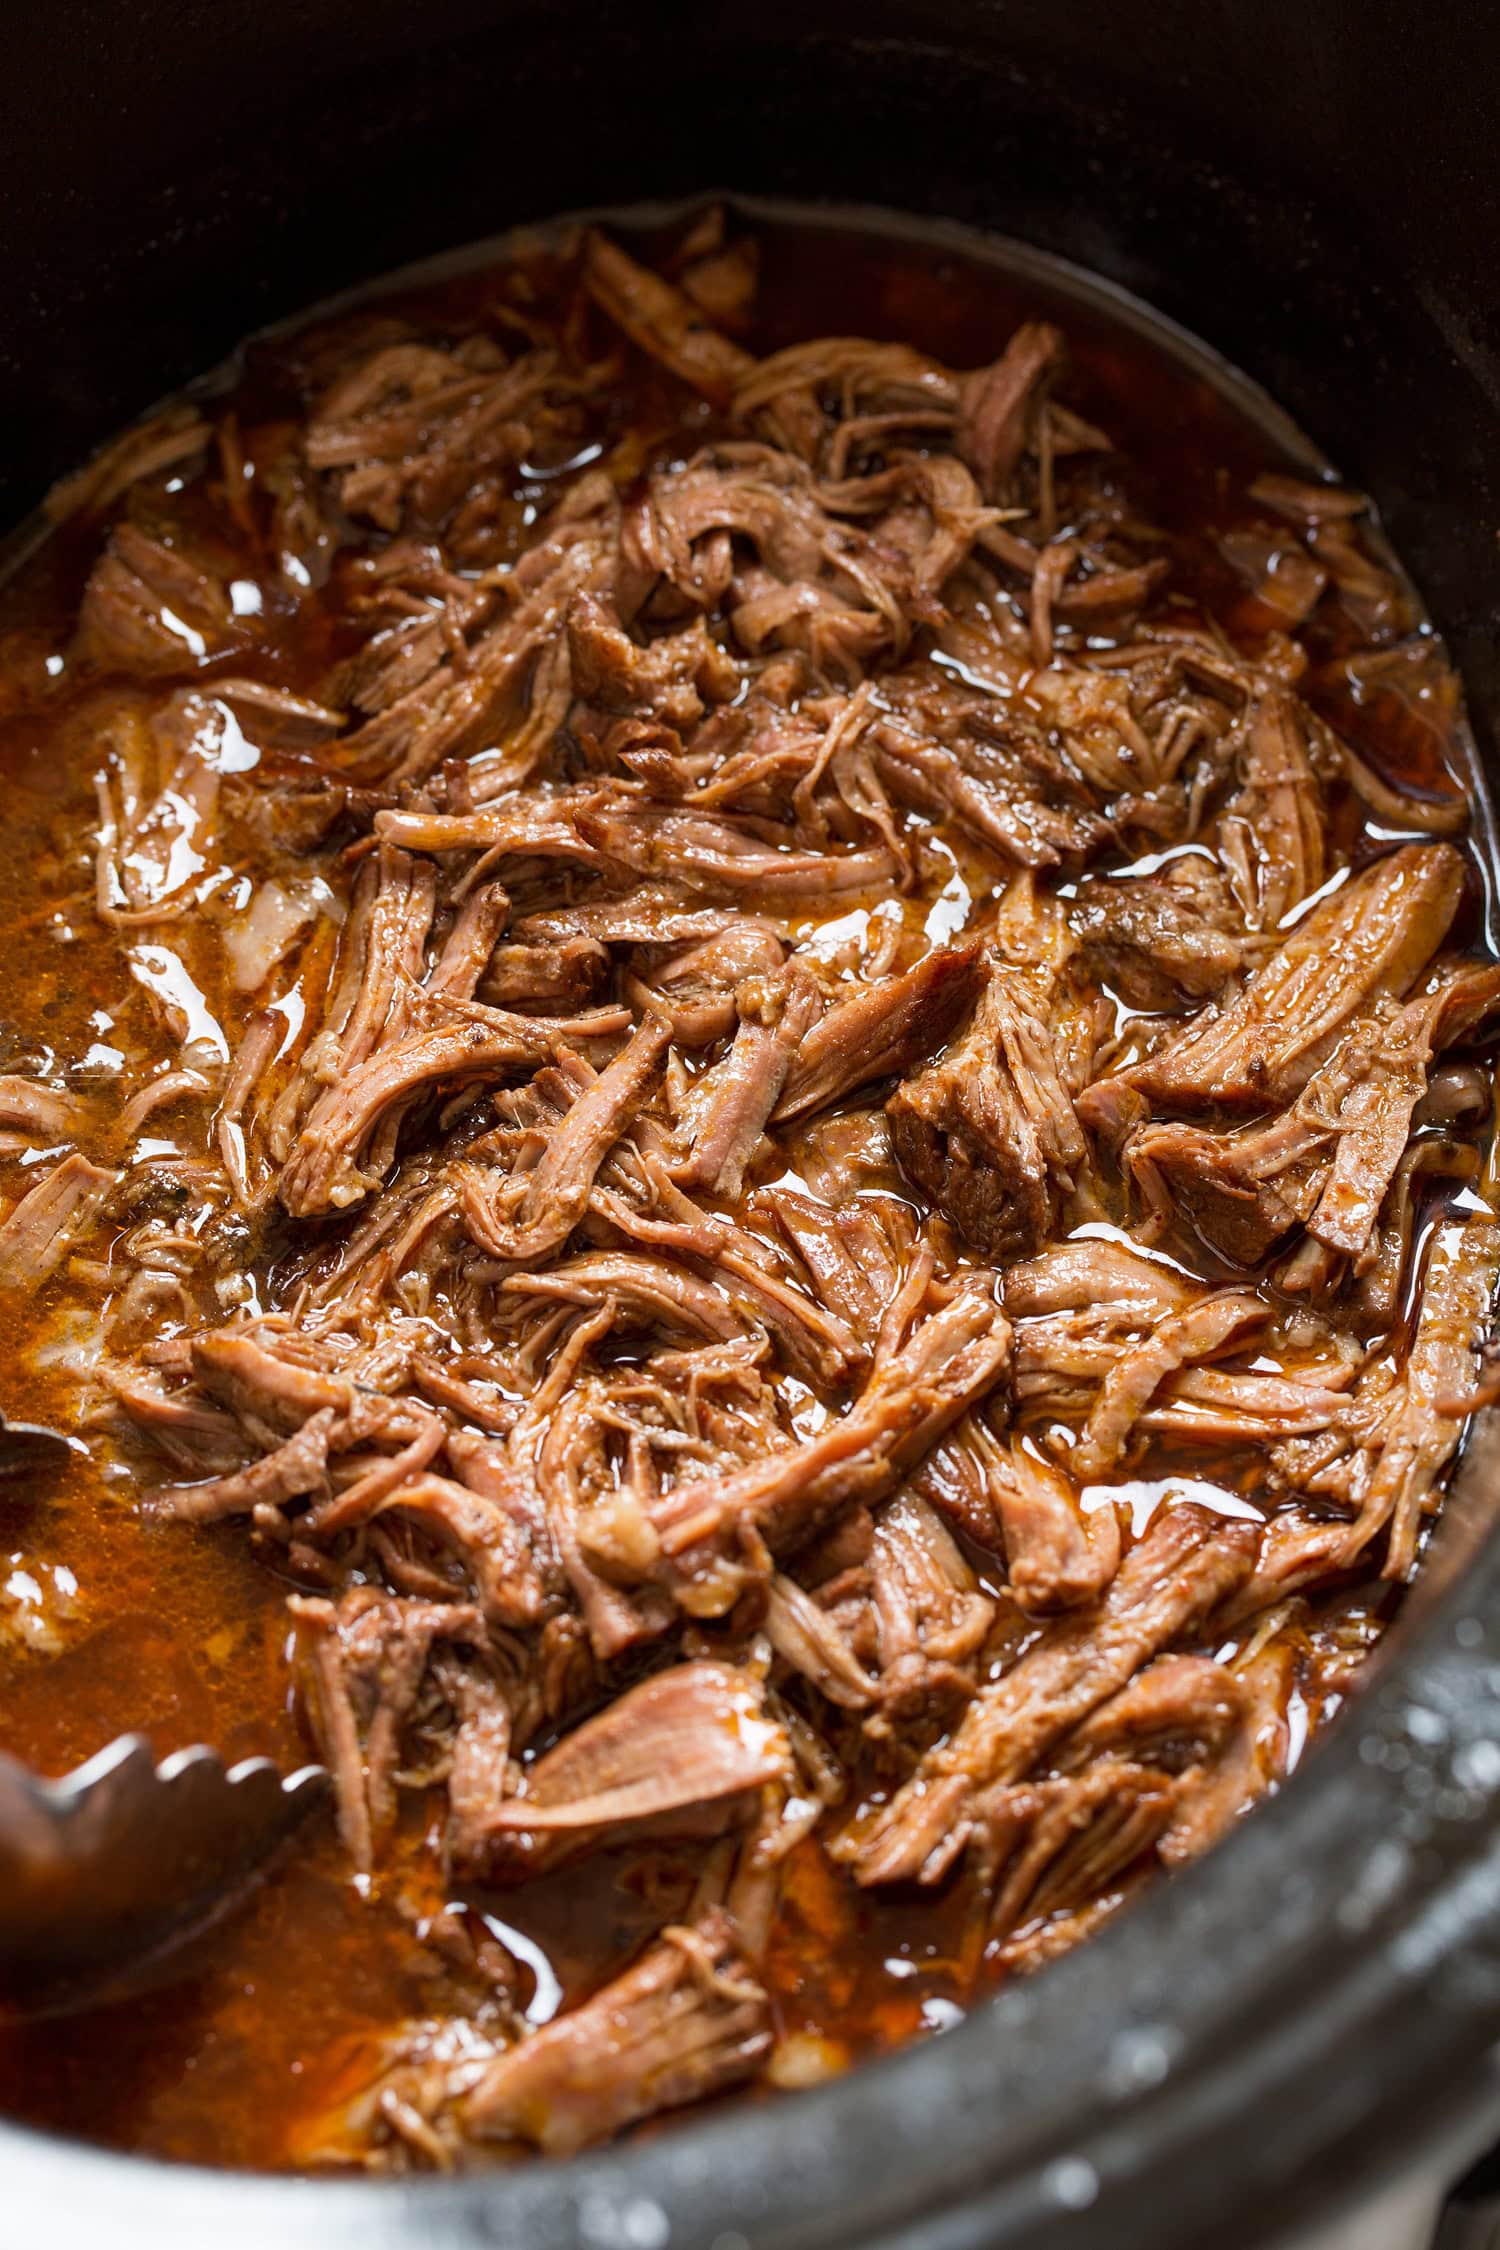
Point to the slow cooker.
(1293, 2041)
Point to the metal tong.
(107, 1872)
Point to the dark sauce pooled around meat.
(748, 1115)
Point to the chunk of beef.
(1329, 1160)
(1282, 576)
(1372, 937)
(526, 1215)
(1160, 942)
(988, 1132)
(950, 1359)
(510, 675)
(1217, 1730)
(729, 1107)
(1011, 1500)
(177, 435)
(673, 678)
(1092, 1270)
(1375, 1117)
(39, 1230)
(1305, 504)
(651, 1290)
(545, 979)
(290, 1471)
(722, 277)
(1124, 737)
(410, 429)
(1383, 1457)
(1221, 1407)
(512, 827)
(720, 857)
(880, 1031)
(1187, 1563)
(810, 1336)
(348, 1141)
(1272, 834)
(811, 1640)
(149, 608)
(851, 1249)
(999, 406)
(158, 799)
(1388, 1262)
(663, 321)
(32, 1111)
(366, 1661)
(993, 774)
(264, 1385)
(696, 988)
(930, 1616)
(688, 2020)
(684, 1752)
(892, 1620)
(840, 574)
(1198, 1331)
(1178, 1710)
(1061, 1844)
(484, 1529)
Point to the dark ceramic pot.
(1306, 2017)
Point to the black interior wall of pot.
(1311, 188)
(219, 156)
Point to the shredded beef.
(802, 1179)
